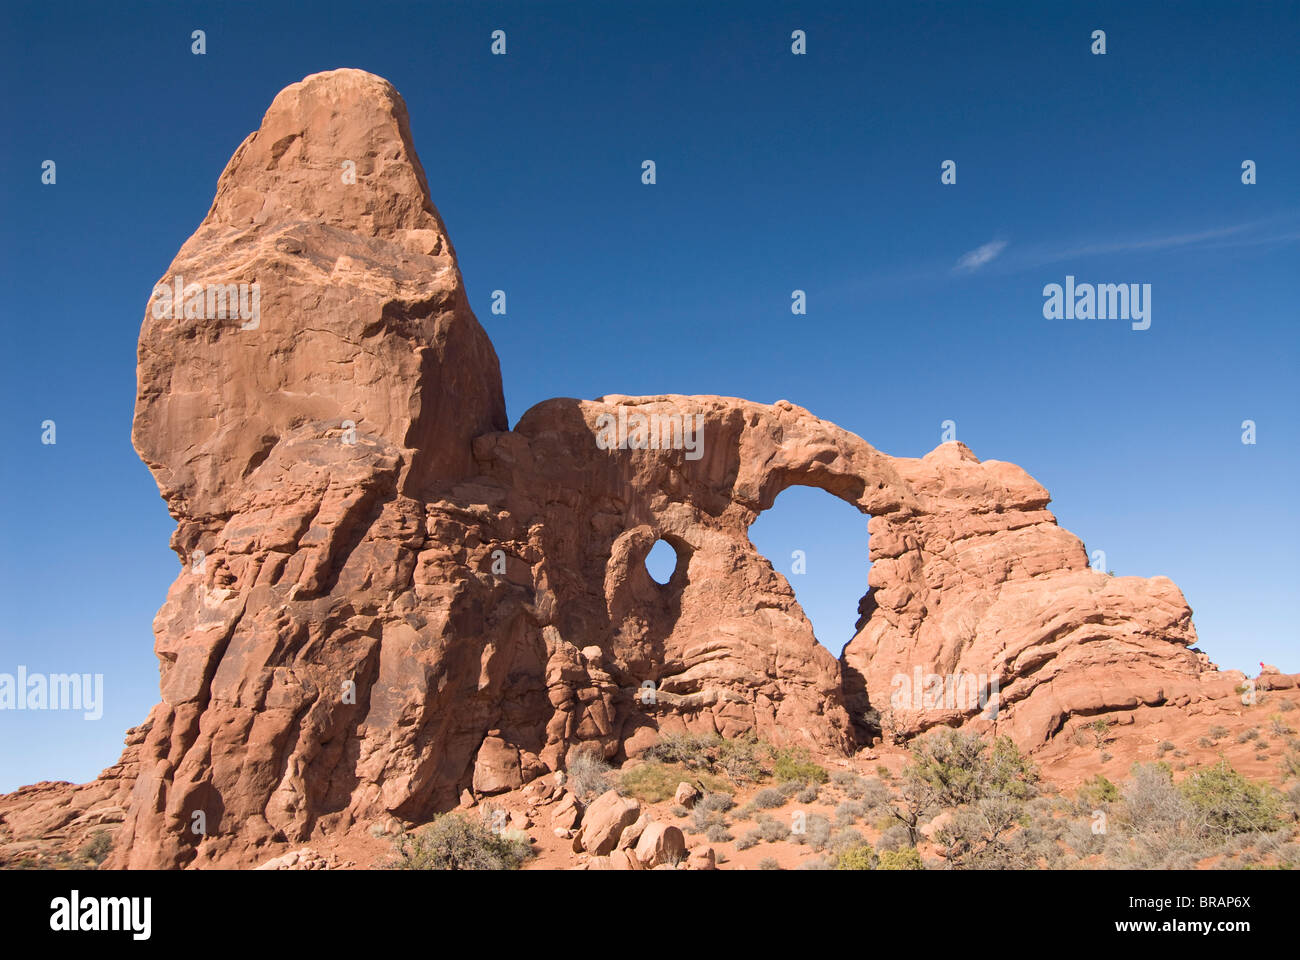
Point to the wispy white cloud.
(980, 256)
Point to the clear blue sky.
(775, 172)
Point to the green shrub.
(1097, 791)
(953, 764)
(1230, 803)
(859, 857)
(794, 764)
(97, 847)
(651, 782)
(1100, 730)
(905, 859)
(454, 842)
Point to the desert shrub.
(1247, 735)
(1229, 802)
(1154, 825)
(795, 764)
(1218, 732)
(1279, 725)
(1286, 706)
(690, 749)
(905, 859)
(954, 765)
(1100, 731)
(1164, 747)
(678, 810)
(816, 832)
(808, 794)
(1097, 791)
(737, 758)
(454, 842)
(849, 812)
(1291, 765)
(717, 833)
(883, 772)
(1204, 742)
(893, 837)
(1083, 841)
(721, 802)
(1107, 756)
(982, 834)
(769, 863)
(816, 863)
(588, 773)
(97, 847)
(769, 798)
(857, 857)
(772, 829)
(710, 810)
(651, 782)
(752, 839)
(874, 794)
(846, 780)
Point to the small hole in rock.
(661, 561)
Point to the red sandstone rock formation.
(388, 599)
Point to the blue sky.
(775, 172)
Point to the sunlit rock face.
(387, 598)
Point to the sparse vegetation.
(455, 842)
(97, 847)
(1100, 730)
(794, 764)
(588, 773)
(769, 798)
(1097, 791)
(858, 857)
(905, 859)
(1228, 802)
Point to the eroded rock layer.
(388, 599)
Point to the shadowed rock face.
(388, 598)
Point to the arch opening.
(662, 562)
(818, 542)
